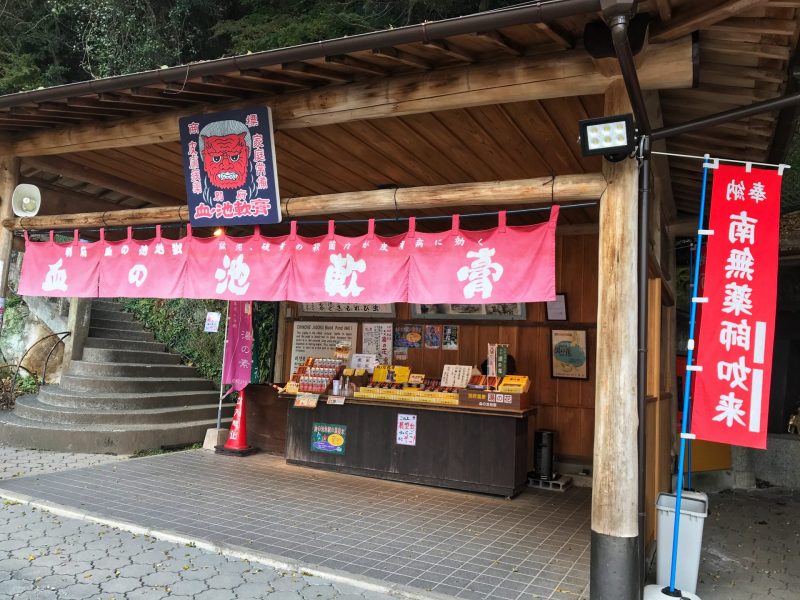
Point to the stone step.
(112, 315)
(134, 384)
(82, 368)
(33, 409)
(107, 305)
(57, 396)
(100, 355)
(120, 334)
(121, 344)
(115, 324)
(100, 438)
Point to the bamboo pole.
(9, 175)
(541, 190)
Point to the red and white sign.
(505, 264)
(734, 345)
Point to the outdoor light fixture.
(614, 137)
(218, 231)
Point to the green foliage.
(179, 325)
(280, 23)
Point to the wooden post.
(614, 562)
(9, 176)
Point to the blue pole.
(688, 380)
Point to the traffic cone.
(237, 437)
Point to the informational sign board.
(406, 430)
(328, 438)
(230, 168)
(456, 375)
(376, 338)
(319, 339)
(306, 400)
(364, 361)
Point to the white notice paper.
(319, 339)
(376, 338)
(407, 430)
(456, 376)
(212, 322)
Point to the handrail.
(66, 334)
(19, 365)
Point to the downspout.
(617, 15)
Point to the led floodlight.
(614, 137)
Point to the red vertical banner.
(238, 361)
(734, 344)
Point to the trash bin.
(694, 509)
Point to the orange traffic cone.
(237, 437)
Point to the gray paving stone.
(79, 591)
(136, 570)
(247, 591)
(160, 579)
(14, 586)
(148, 594)
(189, 588)
(289, 584)
(285, 596)
(214, 594)
(120, 585)
(56, 582)
(224, 582)
(33, 572)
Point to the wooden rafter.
(569, 73)
(450, 50)
(315, 72)
(66, 168)
(702, 17)
(502, 42)
(556, 33)
(664, 10)
(404, 58)
(356, 65)
(271, 77)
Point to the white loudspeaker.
(26, 200)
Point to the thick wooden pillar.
(9, 176)
(614, 562)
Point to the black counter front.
(456, 447)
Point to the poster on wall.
(408, 336)
(568, 354)
(230, 168)
(376, 338)
(320, 339)
(406, 430)
(328, 438)
(433, 337)
(450, 337)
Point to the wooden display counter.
(461, 447)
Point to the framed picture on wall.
(568, 356)
(512, 311)
(557, 309)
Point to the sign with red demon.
(230, 169)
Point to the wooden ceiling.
(744, 57)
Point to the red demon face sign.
(225, 159)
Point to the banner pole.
(222, 377)
(688, 380)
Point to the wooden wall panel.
(566, 406)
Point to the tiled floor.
(465, 545)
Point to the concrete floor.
(453, 543)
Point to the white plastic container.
(694, 510)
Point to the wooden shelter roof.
(744, 47)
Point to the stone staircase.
(125, 394)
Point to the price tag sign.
(335, 400)
(305, 400)
(364, 361)
(456, 376)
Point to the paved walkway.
(751, 546)
(44, 556)
(453, 543)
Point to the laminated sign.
(737, 325)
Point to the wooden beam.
(701, 17)
(500, 41)
(9, 176)
(66, 168)
(450, 50)
(315, 72)
(356, 65)
(270, 77)
(570, 73)
(615, 522)
(664, 10)
(541, 190)
(556, 33)
(404, 58)
(57, 200)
